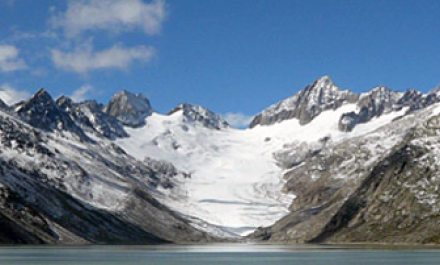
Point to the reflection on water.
(218, 254)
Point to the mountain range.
(324, 166)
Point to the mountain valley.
(323, 166)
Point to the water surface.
(218, 254)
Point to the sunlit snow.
(234, 181)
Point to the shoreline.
(234, 246)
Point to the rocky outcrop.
(130, 109)
(375, 103)
(321, 95)
(198, 114)
(42, 112)
(90, 117)
(3, 105)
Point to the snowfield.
(233, 179)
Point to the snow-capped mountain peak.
(90, 117)
(321, 95)
(218, 180)
(435, 91)
(42, 96)
(65, 102)
(198, 114)
(323, 91)
(40, 102)
(42, 112)
(382, 94)
(128, 108)
(324, 82)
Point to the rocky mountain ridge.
(323, 95)
(308, 103)
(326, 165)
(378, 188)
(65, 182)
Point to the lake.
(218, 254)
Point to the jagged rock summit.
(128, 108)
(321, 95)
(91, 118)
(380, 100)
(207, 118)
(42, 112)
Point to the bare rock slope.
(378, 188)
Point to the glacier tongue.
(234, 182)
(232, 179)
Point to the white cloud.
(12, 95)
(84, 59)
(111, 15)
(81, 93)
(20, 36)
(9, 59)
(238, 120)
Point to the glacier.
(232, 178)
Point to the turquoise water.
(217, 254)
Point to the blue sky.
(232, 56)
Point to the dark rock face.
(321, 95)
(42, 112)
(131, 110)
(379, 101)
(414, 99)
(90, 117)
(3, 105)
(382, 101)
(398, 201)
(198, 114)
(385, 207)
(51, 216)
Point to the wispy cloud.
(9, 59)
(111, 15)
(81, 93)
(11, 95)
(78, 23)
(20, 36)
(85, 59)
(237, 119)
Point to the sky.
(235, 57)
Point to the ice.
(235, 182)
